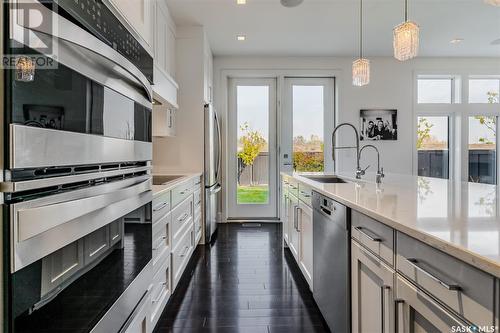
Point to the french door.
(307, 124)
(252, 158)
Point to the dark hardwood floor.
(244, 282)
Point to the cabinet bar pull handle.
(183, 217)
(372, 238)
(450, 286)
(160, 207)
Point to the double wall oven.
(76, 168)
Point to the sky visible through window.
(253, 109)
(308, 107)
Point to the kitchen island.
(426, 249)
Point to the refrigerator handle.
(219, 149)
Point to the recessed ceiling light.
(241, 2)
(496, 42)
(241, 38)
(456, 40)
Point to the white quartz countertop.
(459, 218)
(159, 189)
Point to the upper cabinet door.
(138, 14)
(164, 37)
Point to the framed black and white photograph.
(377, 124)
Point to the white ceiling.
(331, 27)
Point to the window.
(435, 90)
(484, 91)
(482, 149)
(432, 146)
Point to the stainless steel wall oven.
(76, 168)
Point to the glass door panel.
(252, 149)
(307, 123)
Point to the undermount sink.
(325, 179)
(160, 180)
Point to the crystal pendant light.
(361, 66)
(492, 2)
(25, 69)
(406, 38)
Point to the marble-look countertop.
(159, 189)
(459, 218)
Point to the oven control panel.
(97, 18)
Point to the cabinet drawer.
(181, 192)
(181, 217)
(197, 226)
(463, 288)
(197, 198)
(95, 244)
(160, 292)
(374, 235)
(293, 187)
(197, 182)
(305, 194)
(161, 205)
(180, 255)
(161, 239)
(115, 232)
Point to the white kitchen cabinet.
(284, 213)
(418, 312)
(163, 121)
(208, 73)
(138, 16)
(164, 38)
(96, 244)
(372, 292)
(293, 232)
(305, 229)
(140, 322)
(61, 265)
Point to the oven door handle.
(75, 35)
(36, 220)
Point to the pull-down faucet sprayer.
(359, 172)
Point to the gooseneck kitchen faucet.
(380, 171)
(359, 172)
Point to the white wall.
(391, 86)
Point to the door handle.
(386, 309)
(399, 318)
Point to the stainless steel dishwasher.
(331, 262)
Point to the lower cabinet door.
(96, 244)
(160, 292)
(140, 322)
(284, 215)
(372, 291)
(305, 228)
(293, 233)
(418, 312)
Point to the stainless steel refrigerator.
(213, 159)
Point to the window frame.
(455, 92)
(458, 112)
(482, 77)
(450, 134)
